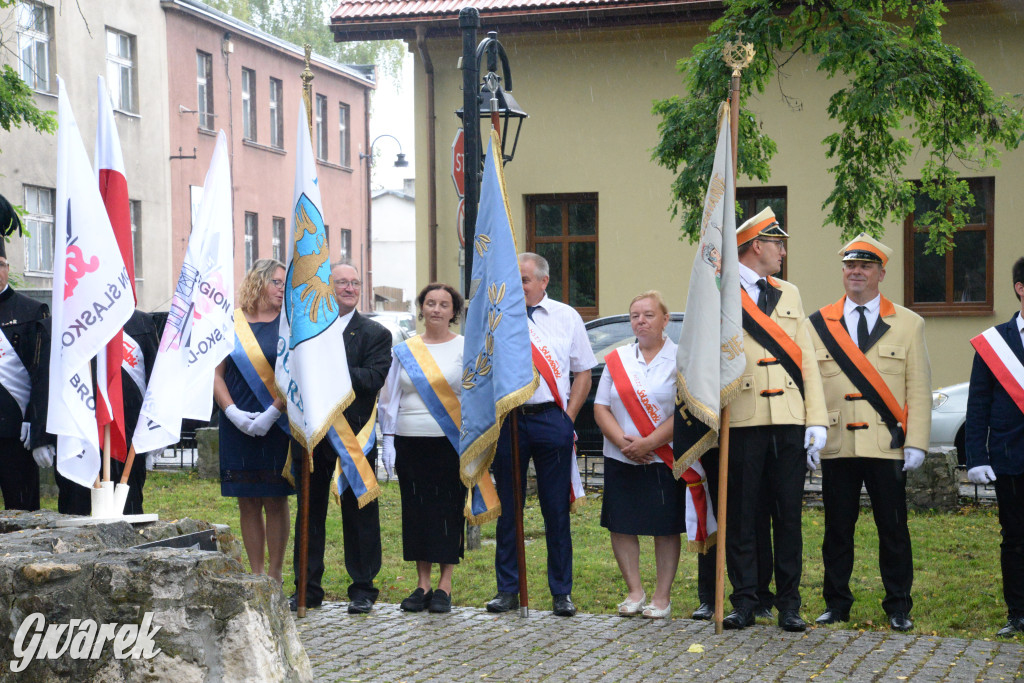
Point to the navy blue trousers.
(547, 438)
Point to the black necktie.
(530, 310)
(862, 328)
(762, 297)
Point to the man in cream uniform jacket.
(874, 365)
(777, 415)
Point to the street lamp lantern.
(400, 161)
(493, 98)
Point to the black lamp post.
(482, 98)
(400, 162)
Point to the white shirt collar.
(543, 303)
(748, 276)
(345, 319)
(873, 306)
(5, 286)
(1020, 321)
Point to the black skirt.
(642, 500)
(433, 499)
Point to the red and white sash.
(630, 384)
(13, 375)
(133, 362)
(549, 370)
(1003, 363)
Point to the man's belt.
(535, 408)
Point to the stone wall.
(936, 484)
(208, 620)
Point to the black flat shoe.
(417, 601)
(440, 602)
(1014, 626)
(361, 605)
(832, 616)
(789, 620)
(503, 602)
(561, 606)
(738, 619)
(900, 621)
(763, 613)
(706, 612)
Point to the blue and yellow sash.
(256, 371)
(352, 468)
(482, 503)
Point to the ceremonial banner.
(200, 329)
(710, 358)
(92, 299)
(114, 190)
(312, 369)
(497, 374)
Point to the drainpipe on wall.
(428, 66)
(226, 49)
(368, 277)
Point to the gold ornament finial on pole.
(307, 89)
(738, 54)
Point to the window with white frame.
(135, 209)
(346, 244)
(343, 134)
(249, 104)
(204, 88)
(321, 127)
(251, 240)
(39, 203)
(121, 79)
(277, 239)
(35, 37)
(276, 119)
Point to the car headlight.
(938, 398)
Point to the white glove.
(26, 434)
(388, 455)
(263, 422)
(240, 418)
(912, 458)
(814, 440)
(982, 474)
(43, 455)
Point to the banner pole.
(517, 494)
(128, 462)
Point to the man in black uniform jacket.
(368, 348)
(23, 380)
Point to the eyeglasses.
(278, 283)
(4, 264)
(345, 284)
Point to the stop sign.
(459, 164)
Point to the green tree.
(903, 89)
(17, 100)
(304, 21)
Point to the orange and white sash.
(1003, 363)
(133, 362)
(630, 384)
(549, 370)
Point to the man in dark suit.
(368, 350)
(995, 441)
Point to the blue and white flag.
(497, 370)
(312, 368)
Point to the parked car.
(949, 414)
(405, 320)
(398, 334)
(607, 334)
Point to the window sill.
(45, 93)
(38, 273)
(206, 131)
(951, 310)
(265, 148)
(129, 114)
(337, 167)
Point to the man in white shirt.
(546, 434)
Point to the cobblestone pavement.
(471, 645)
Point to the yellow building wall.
(589, 96)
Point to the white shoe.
(652, 612)
(628, 608)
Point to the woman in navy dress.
(253, 445)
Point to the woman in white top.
(420, 421)
(636, 397)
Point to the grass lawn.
(957, 580)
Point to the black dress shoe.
(1014, 626)
(360, 605)
(832, 616)
(900, 621)
(763, 613)
(789, 620)
(561, 606)
(293, 603)
(440, 602)
(503, 602)
(737, 619)
(706, 612)
(417, 601)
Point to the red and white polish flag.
(114, 191)
(92, 300)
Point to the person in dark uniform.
(23, 379)
(368, 350)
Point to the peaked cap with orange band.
(864, 247)
(761, 225)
